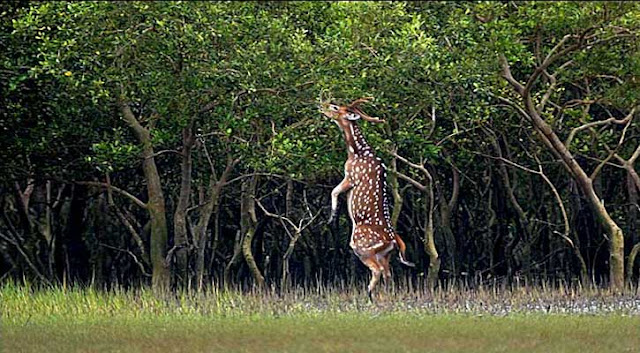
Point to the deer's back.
(369, 204)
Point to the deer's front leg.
(342, 187)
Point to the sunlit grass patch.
(348, 332)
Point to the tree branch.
(33, 267)
(118, 190)
(125, 222)
(130, 118)
(611, 120)
(599, 167)
(135, 258)
(163, 152)
(540, 172)
(410, 180)
(506, 73)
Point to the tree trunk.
(398, 198)
(237, 251)
(616, 237)
(632, 190)
(285, 260)
(429, 239)
(289, 198)
(200, 230)
(284, 281)
(249, 220)
(211, 207)
(180, 231)
(632, 260)
(160, 277)
(446, 209)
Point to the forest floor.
(321, 320)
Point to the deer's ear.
(352, 116)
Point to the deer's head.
(343, 115)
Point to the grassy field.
(87, 320)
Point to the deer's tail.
(402, 248)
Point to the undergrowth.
(24, 302)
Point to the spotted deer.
(372, 235)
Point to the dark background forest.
(179, 144)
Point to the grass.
(319, 320)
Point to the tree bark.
(396, 192)
(249, 220)
(237, 251)
(446, 209)
(180, 231)
(429, 240)
(632, 260)
(211, 207)
(160, 277)
(285, 259)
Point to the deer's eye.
(333, 107)
(352, 116)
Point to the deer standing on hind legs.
(372, 236)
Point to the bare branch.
(557, 47)
(206, 153)
(125, 222)
(635, 156)
(615, 78)
(255, 174)
(592, 124)
(598, 168)
(564, 236)
(133, 256)
(420, 167)
(547, 94)
(506, 73)
(512, 104)
(410, 180)
(455, 134)
(600, 160)
(279, 176)
(578, 102)
(118, 190)
(163, 152)
(33, 267)
(277, 216)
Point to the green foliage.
(249, 76)
(264, 66)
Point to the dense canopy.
(180, 144)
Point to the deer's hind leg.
(384, 257)
(386, 270)
(376, 270)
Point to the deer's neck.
(356, 144)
